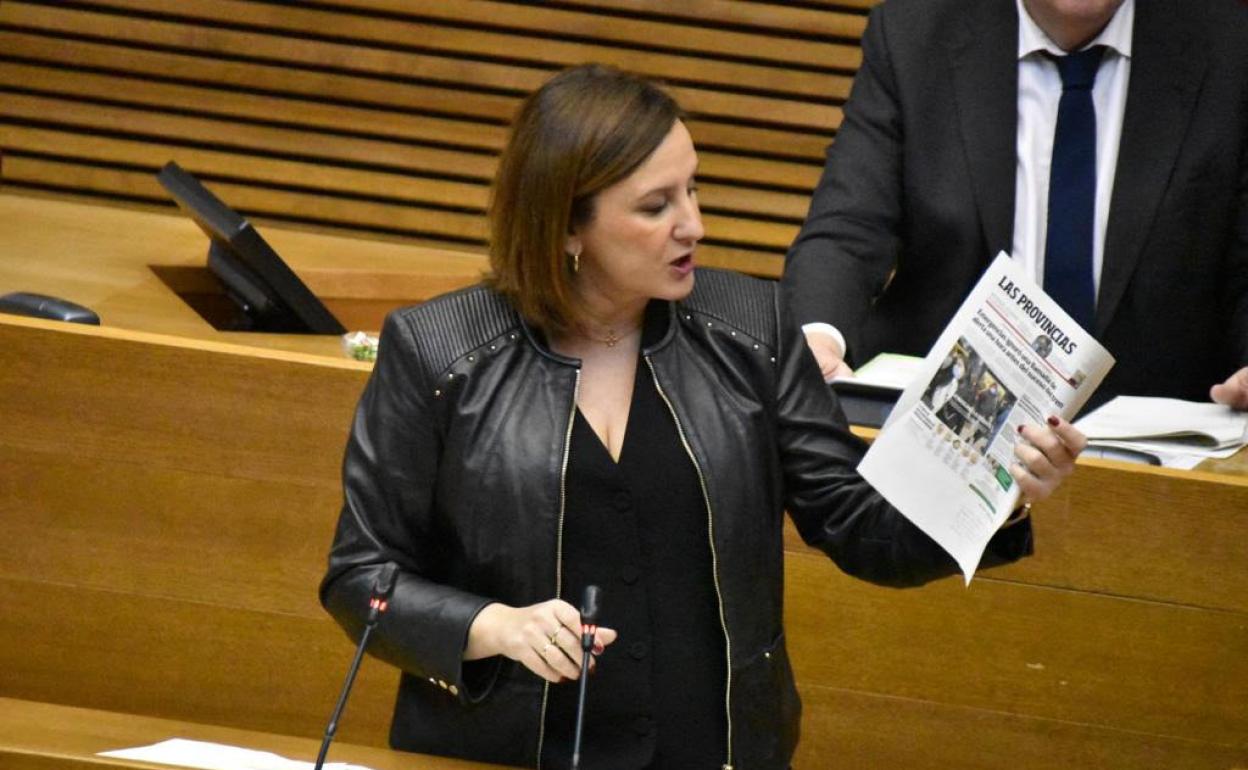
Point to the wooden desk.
(1122, 643)
(103, 257)
(168, 506)
(168, 502)
(45, 736)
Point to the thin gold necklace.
(612, 339)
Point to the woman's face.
(640, 241)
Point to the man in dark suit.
(943, 160)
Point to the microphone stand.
(377, 604)
(589, 619)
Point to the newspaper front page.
(1010, 356)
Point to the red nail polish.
(1020, 429)
(1054, 421)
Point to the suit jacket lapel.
(984, 69)
(1166, 70)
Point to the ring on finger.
(546, 649)
(554, 638)
(1023, 469)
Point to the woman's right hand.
(545, 637)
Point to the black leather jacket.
(454, 472)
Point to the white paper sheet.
(1179, 434)
(216, 756)
(1194, 424)
(888, 370)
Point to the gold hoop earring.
(576, 263)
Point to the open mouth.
(684, 264)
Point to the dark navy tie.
(1072, 189)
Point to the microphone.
(378, 602)
(590, 603)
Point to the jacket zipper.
(563, 500)
(710, 529)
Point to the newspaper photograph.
(1010, 356)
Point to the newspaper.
(1010, 356)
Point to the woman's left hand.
(1046, 458)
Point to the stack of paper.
(1179, 434)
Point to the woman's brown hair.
(584, 130)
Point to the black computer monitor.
(268, 295)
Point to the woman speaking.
(601, 411)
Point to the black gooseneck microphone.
(383, 586)
(590, 604)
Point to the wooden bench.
(384, 117)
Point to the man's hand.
(829, 355)
(1233, 392)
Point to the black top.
(456, 470)
(639, 530)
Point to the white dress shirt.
(1039, 91)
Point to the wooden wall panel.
(139, 652)
(421, 91)
(702, 34)
(169, 506)
(851, 730)
(1168, 536)
(259, 545)
(177, 405)
(1068, 656)
(825, 23)
(1102, 536)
